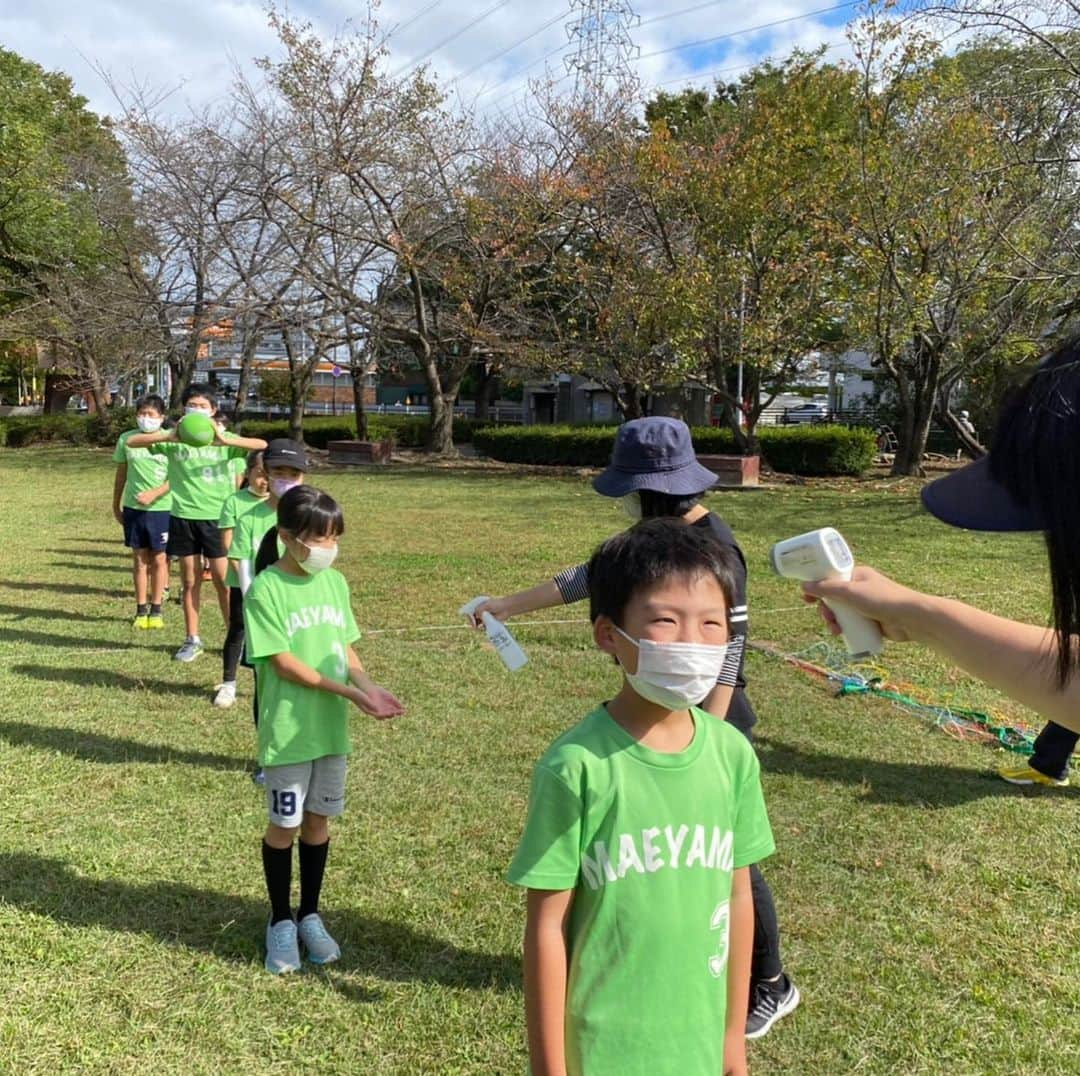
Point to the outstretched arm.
(1017, 659)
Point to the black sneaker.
(768, 1002)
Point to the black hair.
(150, 400)
(650, 552)
(205, 391)
(303, 510)
(656, 505)
(254, 459)
(1035, 455)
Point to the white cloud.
(192, 45)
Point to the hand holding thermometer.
(823, 554)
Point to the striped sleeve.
(573, 584)
(738, 621)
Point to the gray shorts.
(317, 786)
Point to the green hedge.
(45, 429)
(404, 431)
(804, 450)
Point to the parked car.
(805, 413)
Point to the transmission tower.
(602, 61)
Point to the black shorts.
(144, 529)
(195, 537)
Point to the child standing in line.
(284, 463)
(643, 820)
(201, 480)
(299, 631)
(654, 473)
(253, 494)
(141, 505)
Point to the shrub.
(405, 431)
(46, 429)
(819, 450)
(105, 428)
(805, 450)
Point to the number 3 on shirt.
(341, 666)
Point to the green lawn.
(931, 914)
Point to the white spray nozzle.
(468, 610)
(823, 554)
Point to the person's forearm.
(249, 444)
(143, 440)
(543, 596)
(292, 668)
(719, 701)
(118, 486)
(740, 953)
(1017, 659)
(545, 998)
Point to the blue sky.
(190, 47)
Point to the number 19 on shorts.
(283, 803)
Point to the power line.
(740, 33)
(453, 37)
(408, 22)
(510, 48)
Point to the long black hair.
(303, 510)
(1035, 455)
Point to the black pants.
(1053, 747)
(766, 963)
(233, 651)
(234, 637)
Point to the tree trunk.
(914, 430)
(356, 371)
(247, 358)
(487, 383)
(629, 401)
(440, 439)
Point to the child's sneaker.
(226, 694)
(768, 1002)
(191, 649)
(140, 622)
(1023, 774)
(155, 623)
(321, 948)
(282, 950)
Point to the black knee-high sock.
(312, 868)
(277, 866)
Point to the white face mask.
(631, 505)
(198, 411)
(319, 557)
(675, 675)
(148, 424)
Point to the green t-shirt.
(648, 842)
(309, 617)
(144, 471)
(240, 504)
(200, 477)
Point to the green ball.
(196, 429)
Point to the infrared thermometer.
(823, 554)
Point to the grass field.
(931, 914)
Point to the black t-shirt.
(740, 712)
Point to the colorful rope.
(829, 663)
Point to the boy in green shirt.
(141, 505)
(200, 478)
(643, 821)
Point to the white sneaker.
(282, 950)
(226, 694)
(321, 948)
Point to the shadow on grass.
(25, 612)
(107, 678)
(905, 783)
(64, 588)
(119, 565)
(116, 551)
(232, 927)
(97, 747)
(67, 642)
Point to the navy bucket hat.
(656, 454)
(973, 499)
